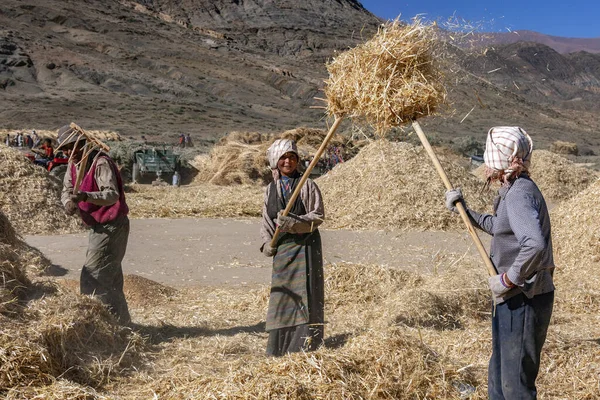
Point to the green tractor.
(161, 163)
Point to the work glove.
(268, 250)
(286, 222)
(499, 285)
(79, 197)
(71, 208)
(452, 197)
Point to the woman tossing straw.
(522, 252)
(295, 315)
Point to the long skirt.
(102, 273)
(295, 318)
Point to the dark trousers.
(102, 274)
(519, 329)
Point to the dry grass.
(47, 334)
(30, 197)
(53, 134)
(576, 240)
(392, 185)
(202, 200)
(389, 80)
(557, 177)
(561, 147)
(241, 157)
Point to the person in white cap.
(521, 251)
(295, 314)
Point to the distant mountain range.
(207, 67)
(562, 45)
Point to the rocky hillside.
(161, 67)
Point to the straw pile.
(557, 177)
(199, 201)
(53, 134)
(389, 80)
(390, 334)
(392, 185)
(561, 147)
(46, 334)
(241, 157)
(30, 198)
(576, 241)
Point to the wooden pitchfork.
(461, 209)
(310, 167)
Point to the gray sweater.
(521, 238)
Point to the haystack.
(576, 240)
(30, 197)
(16, 258)
(241, 157)
(388, 81)
(561, 147)
(57, 334)
(391, 185)
(557, 177)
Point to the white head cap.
(279, 148)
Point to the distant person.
(182, 140)
(7, 140)
(36, 138)
(188, 140)
(28, 141)
(521, 251)
(19, 140)
(295, 313)
(46, 153)
(101, 204)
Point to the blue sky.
(567, 18)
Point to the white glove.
(452, 197)
(499, 285)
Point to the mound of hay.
(30, 198)
(381, 364)
(389, 80)
(15, 258)
(576, 241)
(68, 336)
(104, 136)
(241, 157)
(234, 162)
(391, 185)
(557, 177)
(561, 147)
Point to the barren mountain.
(161, 67)
(562, 45)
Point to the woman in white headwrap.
(521, 251)
(295, 314)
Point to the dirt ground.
(190, 252)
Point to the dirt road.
(184, 252)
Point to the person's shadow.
(167, 332)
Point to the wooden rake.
(91, 143)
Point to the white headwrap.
(279, 148)
(505, 146)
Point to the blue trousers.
(519, 328)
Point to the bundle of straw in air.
(389, 80)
